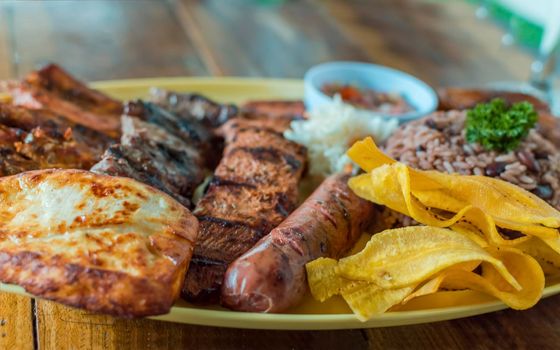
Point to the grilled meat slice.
(30, 141)
(53, 88)
(253, 190)
(277, 126)
(189, 105)
(189, 130)
(11, 161)
(56, 126)
(275, 109)
(150, 154)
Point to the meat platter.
(309, 314)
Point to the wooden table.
(440, 42)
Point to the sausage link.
(271, 276)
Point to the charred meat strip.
(150, 154)
(56, 126)
(275, 109)
(261, 123)
(190, 105)
(271, 276)
(11, 161)
(53, 88)
(189, 130)
(22, 151)
(253, 190)
(38, 139)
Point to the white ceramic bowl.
(418, 94)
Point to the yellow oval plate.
(310, 315)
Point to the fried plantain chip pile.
(482, 234)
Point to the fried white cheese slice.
(105, 244)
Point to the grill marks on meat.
(53, 88)
(186, 128)
(189, 106)
(254, 189)
(161, 149)
(151, 155)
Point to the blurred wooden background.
(439, 41)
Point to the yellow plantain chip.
(544, 253)
(366, 154)
(433, 285)
(409, 255)
(323, 278)
(369, 300)
(430, 287)
(395, 185)
(391, 185)
(497, 198)
(524, 268)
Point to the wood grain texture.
(442, 43)
(536, 328)
(102, 39)
(250, 38)
(6, 58)
(16, 322)
(61, 327)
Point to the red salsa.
(382, 102)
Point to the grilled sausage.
(271, 276)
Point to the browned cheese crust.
(253, 190)
(105, 244)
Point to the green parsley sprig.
(497, 126)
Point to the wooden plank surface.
(6, 50)
(16, 322)
(61, 327)
(139, 38)
(439, 41)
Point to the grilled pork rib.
(55, 125)
(40, 139)
(255, 187)
(53, 88)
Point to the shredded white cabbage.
(331, 129)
